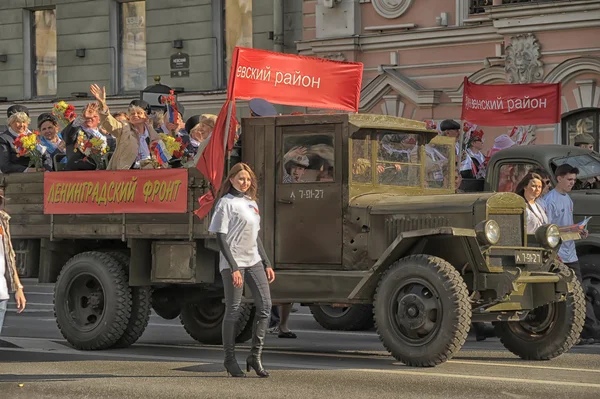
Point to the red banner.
(119, 191)
(282, 79)
(296, 80)
(511, 104)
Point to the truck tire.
(92, 301)
(548, 331)
(590, 272)
(351, 318)
(246, 332)
(141, 305)
(422, 310)
(203, 321)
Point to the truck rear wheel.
(92, 301)
(203, 321)
(141, 304)
(547, 331)
(422, 310)
(590, 271)
(166, 306)
(351, 318)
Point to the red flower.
(179, 140)
(177, 154)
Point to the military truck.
(355, 210)
(507, 167)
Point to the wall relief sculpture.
(523, 63)
(391, 8)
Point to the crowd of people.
(127, 137)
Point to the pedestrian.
(236, 222)
(9, 277)
(531, 188)
(559, 209)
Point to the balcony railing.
(477, 6)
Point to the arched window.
(581, 121)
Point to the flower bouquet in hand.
(64, 112)
(93, 149)
(27, 145)
(167, 148)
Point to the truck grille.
(395, 225)
(511, 230)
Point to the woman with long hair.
(236, 221)
(531, 188)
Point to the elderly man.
(584, 140)
(451, 128)
(88, 125)
(18, 123)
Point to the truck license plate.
(527, 257)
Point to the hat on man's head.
(208, 119)
(301, 160)
(13, 109)
(584, 138)
(191, 123)
(142, 104)
(46, 117)
(260, 107)
(449, 124)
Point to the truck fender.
(403, 245)
(591, 242)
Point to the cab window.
(308, 158)
(511, 174)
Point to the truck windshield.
(400, 161)
(588, 165)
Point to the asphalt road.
(36, 362)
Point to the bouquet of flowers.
(27, 145)
(94, 149)
(166, 148)
(64, 112)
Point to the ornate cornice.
(575, 66)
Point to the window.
(581, 121)
(477, 6)
(308, 158)
(511, 174)
(398, 159)
(238, 26)
(132, 46)
(43, 56)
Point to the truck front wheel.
(590, 270)
(203, 321)
(547, 331)
(351, 318)
(422, 310)
(92, 301)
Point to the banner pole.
(226, 135)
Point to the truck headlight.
(488, 232)
(548, 235)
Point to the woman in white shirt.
(236, 221)
(530, 188)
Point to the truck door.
(308, 192)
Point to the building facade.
(54, 49)
(417, 53)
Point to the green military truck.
(356, 210)
(507, 167)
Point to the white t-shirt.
(239, 220)
(536, 217)
(3, 283)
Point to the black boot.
(254, 359)
(231, 364)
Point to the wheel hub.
(95, 300)
(411, 312)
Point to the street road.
(36, 362)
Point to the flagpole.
(226, 135)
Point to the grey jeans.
(3, 304)
(256, 278)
